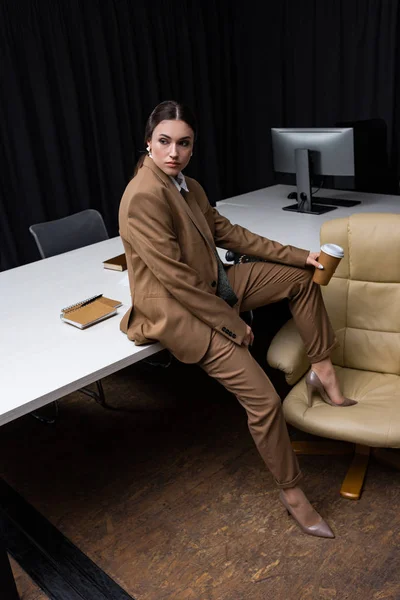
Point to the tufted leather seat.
(363, 303)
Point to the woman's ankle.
(329, 379)
(324, 368)
(293, 494)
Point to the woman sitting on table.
(183, 297)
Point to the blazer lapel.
(188, 203)
(198, 218)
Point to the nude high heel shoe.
(320, 529)
(314, 384)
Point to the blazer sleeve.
(240, 239)
(152, 235)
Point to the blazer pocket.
(158, 291)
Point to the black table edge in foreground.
(54, 563)
(7, 582)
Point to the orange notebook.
(118, 263)
(90, 311)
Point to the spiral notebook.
(90, 311)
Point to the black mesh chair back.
(62, 235)
(69, 233)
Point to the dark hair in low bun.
(167, 111)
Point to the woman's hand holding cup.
(328, 259)
(312, 259)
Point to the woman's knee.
(307, 285)
(265, 407)
(302, 282)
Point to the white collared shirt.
(180, 182)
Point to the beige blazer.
(173, 270)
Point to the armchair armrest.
(287, 353)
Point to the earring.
(149, 151)
(191, 154)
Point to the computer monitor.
(314, 151)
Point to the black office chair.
(62, 235)
(69, 233)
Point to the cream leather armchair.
(363, 303)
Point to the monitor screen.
(331, 149)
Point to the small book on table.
(118, 263)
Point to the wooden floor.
(169, 496)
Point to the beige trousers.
(258, 284)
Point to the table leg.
(7, 583)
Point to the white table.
(43, 359)
(261, 212)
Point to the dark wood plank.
(7, 584)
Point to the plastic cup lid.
(333, 250)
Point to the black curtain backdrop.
(79, 78)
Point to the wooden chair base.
(353, 482)
(323, 448)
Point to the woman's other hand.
(312, 259)
(249, 337)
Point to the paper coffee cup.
(330, 257)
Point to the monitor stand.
(303, 181)
(336, 201)
(316, 209)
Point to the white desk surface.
(261, 212)
(43, 358)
